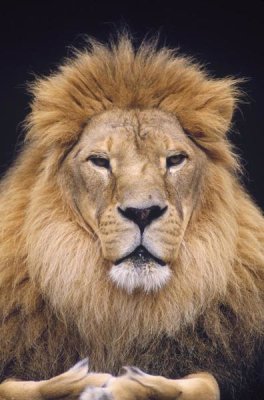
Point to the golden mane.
(101, 78)
(45, 252)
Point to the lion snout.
(143, 216)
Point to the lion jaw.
(148, 277)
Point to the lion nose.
(143, 216)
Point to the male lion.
(127, 237)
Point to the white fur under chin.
(149, 277)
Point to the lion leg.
(68, 385)
(76, 383)
(135, 384)
(192, 387)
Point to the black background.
(227, 36)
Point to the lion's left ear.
(215, 106)
(224, 100)
(206, 107)
(208, 117)
(223, 97)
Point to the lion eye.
(175, 160)
(100, 161)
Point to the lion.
(127, 236)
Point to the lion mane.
(56, 305)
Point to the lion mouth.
(139, 257)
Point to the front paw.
(135, 384)
(71, 384)
(192, 387)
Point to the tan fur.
(133, 384)
(52, 272)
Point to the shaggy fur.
(52, 313)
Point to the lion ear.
(227, 95)
(225, 101)
(209, 117)
(214, 114)
(207, 106)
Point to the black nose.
(142, 216)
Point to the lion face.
(134, 178)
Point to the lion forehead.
(113, 129)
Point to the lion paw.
(135, 384)
(72, 383)
(77, 383)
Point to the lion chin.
(140, 270)
(148, 277)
